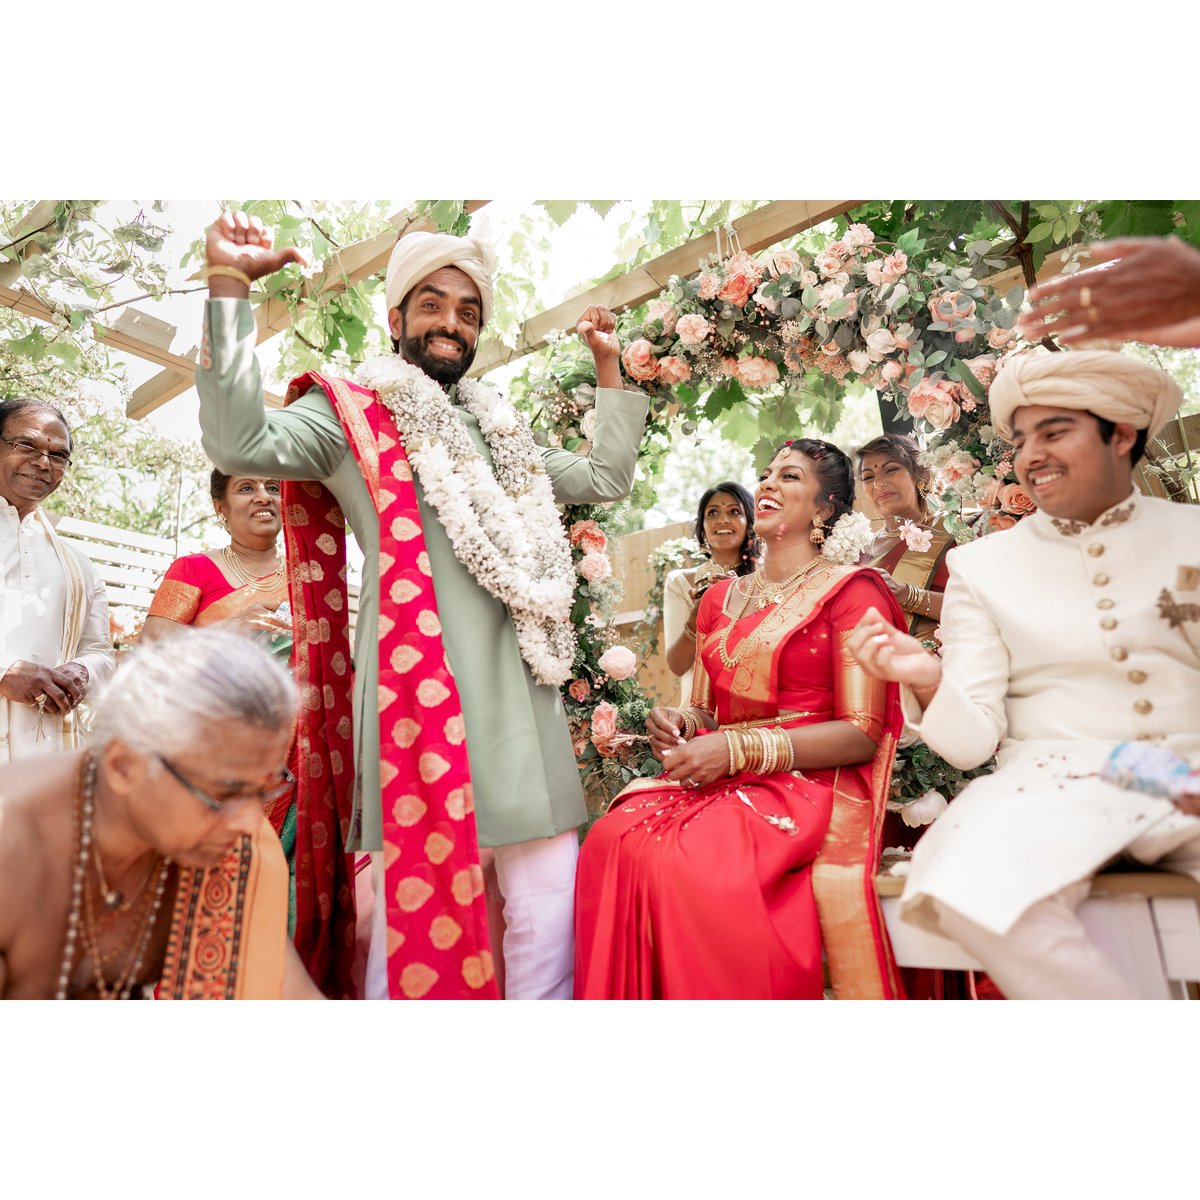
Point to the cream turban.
(1102, 382)
(419, 254)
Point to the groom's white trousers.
(537, 881)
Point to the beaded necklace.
(81, 904)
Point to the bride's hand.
(701, 761)
(665, 727)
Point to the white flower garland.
(501, 519)
(847, 539)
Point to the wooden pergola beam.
(755, 230)
(350, 266)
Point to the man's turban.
(1102, 382)
(420, 254)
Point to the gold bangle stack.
(761, 751)
(690, 725)
(917, 600)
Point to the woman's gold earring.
(818, 532)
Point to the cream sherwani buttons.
(1104, 604)
(1100, 580)
(1142, 706)
(1137, 676)
(1095, 549)
(1108, 623)
(1118, 654)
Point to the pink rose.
(757, 372)
(785, 262)
(859, 236)
(738, 288)
(840, 249)
(875, 273)
(709, 284)
(618, 662)
(990, 496)
(579, 690)
(664, 311)
(729, 365)
(809, 279)
(588, 536)
(965, 335)
(672, 370)
(692, 329)
(935, 403)
(998, 338)
(604, 728)
(905, 336)
(951, 307)
(742, 263)
(983, 367)
(639, 360)
(894, 266)
(594, 567)
(831, 348)
(1014, 499)
(891, 371)
(998, 521)
(958, 466)
(829, 264)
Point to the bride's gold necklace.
(774, 593)
(239, 571)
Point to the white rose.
(618, 662)
(924, 809)
(587, 427)
(808, 279)
(859, 361)
(880, 342)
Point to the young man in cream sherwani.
(1056, 649)
(55, 645)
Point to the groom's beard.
(440, 370)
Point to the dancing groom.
(459, 734)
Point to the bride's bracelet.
(761, 750)
(917, 600)
(690, 724)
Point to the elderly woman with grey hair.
(144, 861)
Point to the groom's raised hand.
(240, 241)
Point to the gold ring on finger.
(1092, 314)
(1085, 297)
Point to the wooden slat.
(350, 266)
(122, 556)
(756, 230)
(1117, 883)
(89, 530)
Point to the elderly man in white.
(54, 638)
(1058, 647)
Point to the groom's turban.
(420, 254)
(1101, 382)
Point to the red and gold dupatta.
(437, 941)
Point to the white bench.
(131, 565)
(1148, 922)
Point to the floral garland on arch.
(501, 520)
(920, 327)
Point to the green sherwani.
(522, 762)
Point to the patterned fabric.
(194, 591)
(229, 926)
(323, 754)
(436, 914)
